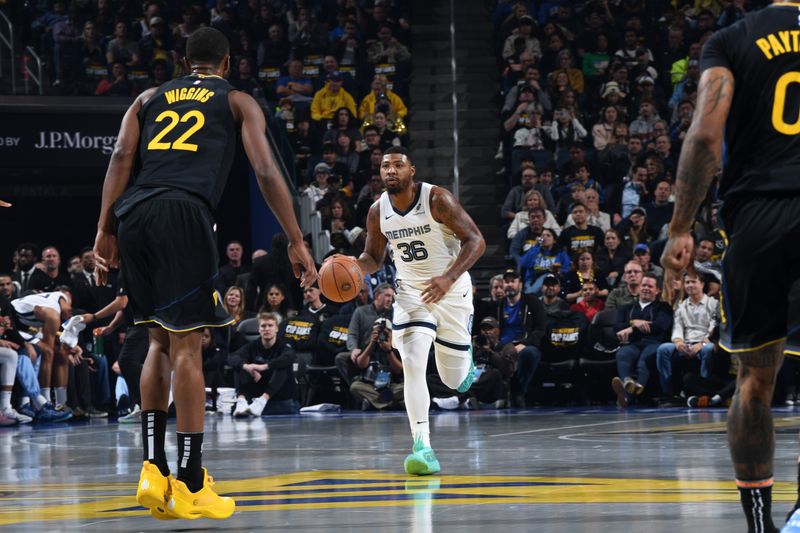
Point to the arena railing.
(31, 75)
(7, 41)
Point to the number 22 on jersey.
(180, 143)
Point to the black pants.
(275, 382)
(131, 359)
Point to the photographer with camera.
(494, 367)
(380, 385)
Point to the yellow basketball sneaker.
(153, 491)
(204, 503)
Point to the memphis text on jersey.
(402, 233)
(188, 93)
(782, 42)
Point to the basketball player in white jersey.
(434, 242)
(46, 311)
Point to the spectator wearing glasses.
(628, 291)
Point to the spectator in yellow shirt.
(380, 87)
(330, 98)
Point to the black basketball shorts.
(168, 249)
(760, 296)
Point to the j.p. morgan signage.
(37, 140)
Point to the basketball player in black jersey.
(182, 136)
(749, 93)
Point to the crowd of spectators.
(596, 99)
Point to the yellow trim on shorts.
(740, 350)
(185, 330)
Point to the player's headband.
(404, 159)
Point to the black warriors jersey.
(762, 134)
(187, 140)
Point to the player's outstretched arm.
(446, 210)
(700, 159)
(371, 259)
(273, 188)
(117, 176)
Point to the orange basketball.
(340, 278)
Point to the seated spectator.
(379, 90)
(628, 290)
(214, 361)
(295, 85)
(709, 269)
(524, 31)
(603, 131)
(117, 84)
(91, 59)
(590, 303)
(551, 296)
(273, 52)
(317, 189)
(642, 326)
(533, 198)
(516, 199)
(11, 343)
(591, 199)
(565, 66)
(304, 143)
(344, 120)
(528, 236)
(53, 277)
(630, 48)
(531, 79)
(545, 257)
(301, 331)
(583, 270)
(157, 44)
(339, 219)
(359, 331)
(642, 127)
(641, 253)
(306, 35)
(278, 302)
(330, 98)
(387, 49)
(243, 80)
(659, 211)
(612, 257)
(493, 368)
(273, 269)
(346, 153)
(379, 384)
(693, 324)
(330, 156)
(655, 171)
(596, 61)
(264, 379)
(234, 303)
(389, 137)
(122, 49)
(634, 228)
(663, 150)
(565, 129)
(159, 74)
(529, 143)
(522, 322)
(581, 235)
(348, 48)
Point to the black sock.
(190, 460)
(757, 505)
(154, 431)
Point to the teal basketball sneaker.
(422, 461)
(467, 383)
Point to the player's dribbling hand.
(302, 264)
(436, 289)
(4, 204)
(106, 255)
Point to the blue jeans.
(281, 407)
(632, 360)
(667, 354)
(101, 389)
(28, 375)
(527, 362)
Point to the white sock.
(423, 434)
(38, 402)
(5, 400)
(414, 347)
(61, 395)
(46, 394)
(24, 401)
(716, 399)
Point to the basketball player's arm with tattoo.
(371, 259)
(117, 176)
(270, 180)
(446, 210)
(700, 159)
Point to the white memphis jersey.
(422, 247)
(25, 306)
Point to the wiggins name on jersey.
(422, 248)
